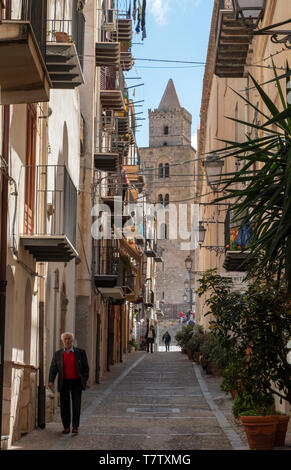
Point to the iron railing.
(67, 24)
(106, 257)
(33, 11)
(50, 202)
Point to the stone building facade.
(170, 168)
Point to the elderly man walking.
(71, 365)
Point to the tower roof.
(170, 98)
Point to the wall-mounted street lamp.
(250, 12)
(213, 169)
(201, 237)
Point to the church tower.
(170, 124)
(170, 169)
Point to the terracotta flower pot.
(189, 354)
(61, 37)
(260, 431)
(197, 357)
(281, 430)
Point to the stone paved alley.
(150, 401)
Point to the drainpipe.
(3, 257)
(121, 360)
(41, 387)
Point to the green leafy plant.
(254, 328)
(183, 336)
(262, 196)
(259, 404)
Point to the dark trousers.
(167, 344)
(71, 389)
(150, 342)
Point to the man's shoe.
(66, 431)
(75, 431)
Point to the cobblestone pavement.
(150, 401)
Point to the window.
(167, 199)
(164, 232)
(166, 130)
(167, 170)
(161, 199)
(161, 171)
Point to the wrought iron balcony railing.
(50, 213)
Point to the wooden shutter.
(30, 170)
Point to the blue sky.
(176, 30)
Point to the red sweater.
(70, 369)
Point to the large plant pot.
(189, 354)
(281, 430)
(260, 431)
(197, 357)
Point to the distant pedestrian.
(71, 365)
(150, 337)
(167, 339)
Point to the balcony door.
(29, 200)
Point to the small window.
(164, 232)
(166, 130)
(161, 199)
(167, 199)
(161, 171)
(167, 170)
(165, 144)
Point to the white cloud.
(160, 8)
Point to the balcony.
(124, 30)
(106, 160)
(150, 249)
(23, 74)
(107, 53)
(159, 254)
(50, 213)
(65, 47)
(232, 43)
(112, 89)
(133, 176)
(105, 263)
(236, 243)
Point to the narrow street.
(159, 401)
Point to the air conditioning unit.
(108, 120)
(110, 20)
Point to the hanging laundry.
(134, 10)
(129, 10)
(144, 4)
(137, 29)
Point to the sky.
(176, 30)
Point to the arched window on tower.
(164, 232)
(167, 199)
(161, 171)
(167, 170)
(166, 130)
(161, 199)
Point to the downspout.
(3, 257)
(121, 360)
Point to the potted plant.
(283, 420)
(133, 345)
(182, 337)
(195, 342)
(260, 423)
(61, 36)
(254, 327)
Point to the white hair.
(67, 333)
